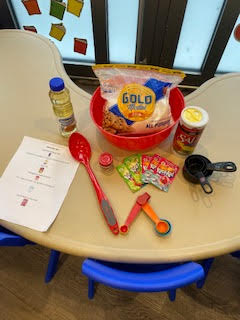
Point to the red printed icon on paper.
(24, 202)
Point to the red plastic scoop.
(81, 151)
(141, 200)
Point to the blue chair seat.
(142, 278)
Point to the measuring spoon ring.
(162, 226)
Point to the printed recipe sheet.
(35, 183)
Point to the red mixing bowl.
(142, 142)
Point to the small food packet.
(154, 162)
(128, 178)
(146, 159)
(133, 164)
(148, 175)
(167, 168)
(164, 174)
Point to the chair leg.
(52, 265)
(90, 288)
(206, 266)
(172, 295)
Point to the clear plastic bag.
(137, 97)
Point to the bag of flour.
(137, 97)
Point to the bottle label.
(67, 124)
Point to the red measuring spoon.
(81, 151)
(141, 200)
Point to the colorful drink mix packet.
(149, 176)
(128, 178)
(133, 164)
(138, 170)
(146, 160)
(164, 172)
(167, 168)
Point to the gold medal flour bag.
(137, 97)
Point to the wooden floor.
(25, 296)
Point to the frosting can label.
(136, 102)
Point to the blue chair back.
(142, 277)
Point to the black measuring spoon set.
(198, 168)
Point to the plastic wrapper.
(128, 178)
(160, 172)
(137, 97)
(133, 163)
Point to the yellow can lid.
(194, 117)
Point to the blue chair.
(142, 277)
(236, 254)
(52, 265)
(206, 264)
(10, 239)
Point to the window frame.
(159, 28)
(226, 21)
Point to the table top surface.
(202, 225)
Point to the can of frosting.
(192, 122)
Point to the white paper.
(35, 183)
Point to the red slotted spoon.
(81, 151)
